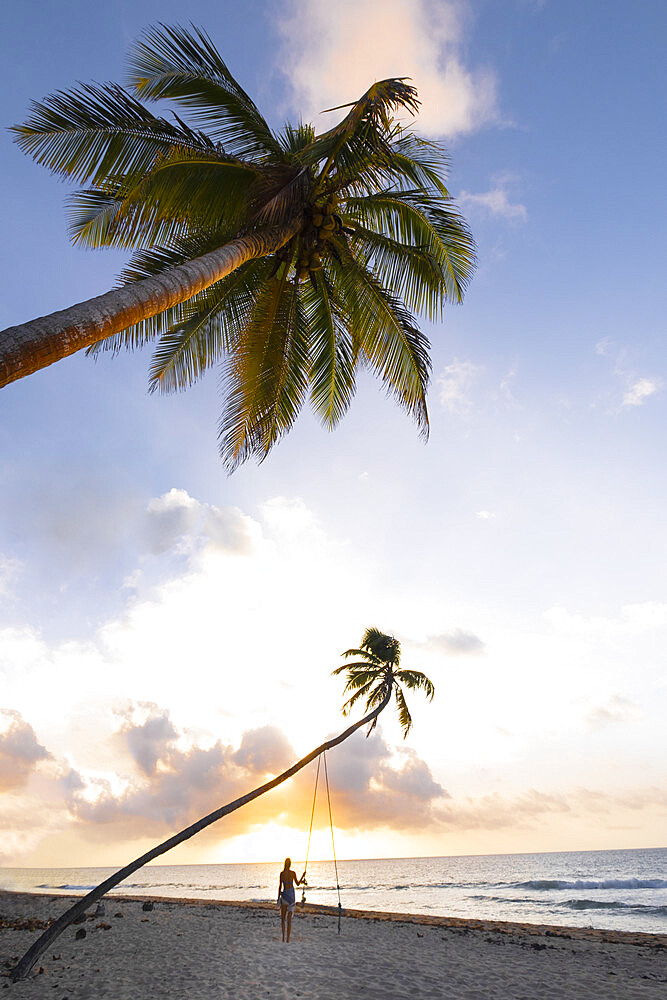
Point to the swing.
(323, 756)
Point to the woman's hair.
(288, 862)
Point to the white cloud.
(506, 387)
(375, 785)
(176, 520)
(632, 620)
(333, 52)
(9, 569)
(485, 515)
(640, 390)
(603, 346)
(614, 709)
(457, 642)
(19, 752)
(495, 202)
(454, 383)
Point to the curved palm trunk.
(23, 967)
(31, 346)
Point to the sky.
(168, 632)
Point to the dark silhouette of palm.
(378, 674)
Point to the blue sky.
(149, 600)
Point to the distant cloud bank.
(162, 783)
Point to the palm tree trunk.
(23, 967)
(31, 346)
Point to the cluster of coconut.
(324, 224)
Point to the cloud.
(265, 751)
(170, 785)
(454, 383)
(632, 619)
(19, 752)
(532, 808)
(493, 812)
(615, 709)
(485, 515)
(496, 203)
(176, 520)
(332, 53)
(455, 643)
(9, 570)
(372, 784)
(640, 390)
(147, 742)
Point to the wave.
(597, 904)
(574, 904)
(78, 888)
(608, 883)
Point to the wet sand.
(204, 950)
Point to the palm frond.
(294, 139)
(183, 65)
(364, 691)
(99, 131)
(368, 658)
(391, 342)
(211, 327)
(266, 376)
(415, 680)
(413, 218)
(419, 162)
(404, 717)
(366, 127)
(202, 191)
(332, 354)
(361, 680)
(412, 272)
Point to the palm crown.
(373, 235)
(377, 674)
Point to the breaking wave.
(607, 883)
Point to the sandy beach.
(202, 950)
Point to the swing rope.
(333, 846)
(310, 832)
(312, 816)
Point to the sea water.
(619, 890)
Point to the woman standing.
(287, 896)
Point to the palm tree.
(292, 258)
(381, 655)
(377, 674)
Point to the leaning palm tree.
(381, 655)
(291, 258)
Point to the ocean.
(618, 890)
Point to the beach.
(200, 950)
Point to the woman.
(287, 896)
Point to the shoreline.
(206, 949)
(567, 932)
